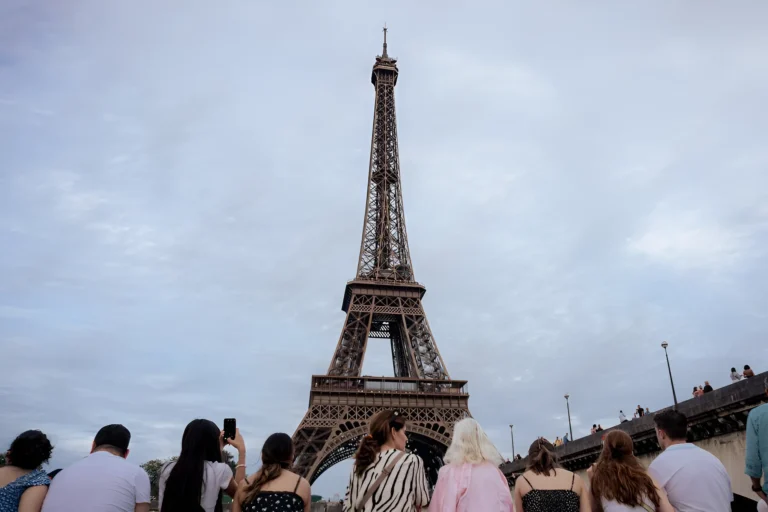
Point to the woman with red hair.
(620, 483)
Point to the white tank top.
(615, 506)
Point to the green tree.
(229, 459)
(153, 468)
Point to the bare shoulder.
(303, 482)
(578, 482)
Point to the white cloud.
(687, 240)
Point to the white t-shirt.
(102, 481)
(622, 418)
(216, 477)
(695, 480)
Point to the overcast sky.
(182, 189)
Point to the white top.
(99, 482)
(216, 477)
(735, 376)
(622, 417)
(615, 506)
(695, 480)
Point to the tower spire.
(384, 53)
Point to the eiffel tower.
(383, 301)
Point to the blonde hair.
(471, 445)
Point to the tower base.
(340, 408)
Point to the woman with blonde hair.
(620, 483)
(471, 480)
(384, 477)
(546, 487)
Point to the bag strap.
(647, 507)
(372, 489)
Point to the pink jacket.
(471, 488)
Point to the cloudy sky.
(182, 191)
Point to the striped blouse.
(403, 490)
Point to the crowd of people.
(385, 478)
(699, 391)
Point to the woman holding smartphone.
(196, 480)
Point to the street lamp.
(512, 433)
(568, 405)
(664, 345)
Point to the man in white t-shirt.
(694, 479)
(102, 481)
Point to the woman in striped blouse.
(384, 477)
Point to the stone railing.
(324, 506)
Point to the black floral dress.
(276, 501)
(551, 500)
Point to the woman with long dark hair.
(274, 488)
(195, 481)
(620, 483)
(384, 477)
(546, 487)
(23, 485)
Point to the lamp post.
(568, 405)
(512, 433)
(664, 345)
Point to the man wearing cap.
(102, 481)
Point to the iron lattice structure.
(383, 301)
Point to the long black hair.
(184, 486)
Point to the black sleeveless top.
(551, 500)
(276, 501)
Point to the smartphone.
(230, 424)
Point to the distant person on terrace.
(470, 480)
(735, 376)
(748, 373)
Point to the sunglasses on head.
(396, 420)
